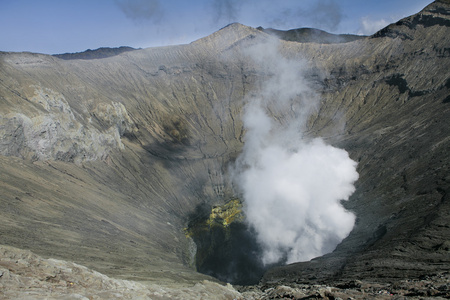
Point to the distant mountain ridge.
(311, 35)
(99, 53)
(301, 35)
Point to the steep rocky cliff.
(393, 89)
(103, 161)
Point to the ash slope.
(103, 160)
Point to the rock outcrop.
(24, 275)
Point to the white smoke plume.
(139, 10)
(369, 26)
(292, 185)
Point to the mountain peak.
(434, 14)
(228, 35)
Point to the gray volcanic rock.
(394, 101)
(103, 161)
(24, 275)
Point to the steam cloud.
(368, 26)
(227, 9)
(141, 9)
(292, 185)
(326, 14)
(323, 14)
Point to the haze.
(51, 26)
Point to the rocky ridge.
(311, 35)
(99, 53)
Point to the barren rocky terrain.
(25, 275)
(104, 161)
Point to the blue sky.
(59, 26)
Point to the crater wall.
(102, 161)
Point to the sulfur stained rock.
(226, 248)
